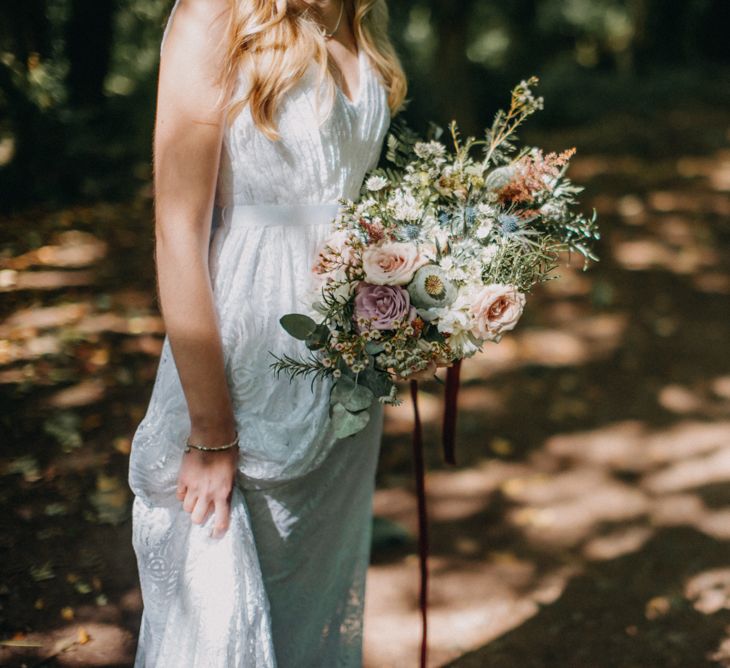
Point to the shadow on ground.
(587, 521)
(657, 625)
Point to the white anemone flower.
(376, 182)
(500, 177)
(484, 229)
(429, 149)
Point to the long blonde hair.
(275, 41)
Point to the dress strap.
(168, 24)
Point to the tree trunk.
(89, 36)
(661, 32)
(713, 32)
(452, 73)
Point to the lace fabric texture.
(285, 585)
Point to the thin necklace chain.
(328, 35)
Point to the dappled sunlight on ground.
(568, 505)
(587, 522)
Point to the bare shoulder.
(199, 27)
(204, 14)
(192, 58)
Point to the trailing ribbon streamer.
(448, 437)
(451, 396)
(422, 518)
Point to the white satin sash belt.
(268, 215)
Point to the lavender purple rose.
(382, 305)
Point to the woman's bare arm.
(187, 145)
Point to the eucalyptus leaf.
(344, 369)
(346, 423)
(352, 396)
(374, 347)
(378, 382)
(318, 338)
(387, 534)
(298, 325)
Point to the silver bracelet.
(205, 448)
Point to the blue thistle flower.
(512, 226)
(470, 215)
(508, 223)
(443, 218)
(411, 232)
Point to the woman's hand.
(206, 480)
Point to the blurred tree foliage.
(77, 77)
(76, 97)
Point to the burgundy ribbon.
(451, 397)
(448, 438)
(422, 518)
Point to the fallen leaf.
(110, 499)
(657, 607)
(501, 446)
(20, 643)
(42, 572)
(82, 587)
(122, 444)
(57, 508)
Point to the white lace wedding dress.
(285, 585)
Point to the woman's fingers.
(189, 501)
(200, 506)
(222, 516)
(200, 512)
(197, 505)
(205, 485)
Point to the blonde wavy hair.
(275, 42)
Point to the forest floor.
(586, 524)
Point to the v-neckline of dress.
(361, 82)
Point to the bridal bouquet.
(435, 258)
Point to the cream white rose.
(455, 320)
(391, 263)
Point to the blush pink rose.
(495, 309)
(382, 305)
(391, 263)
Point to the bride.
(251, 521)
